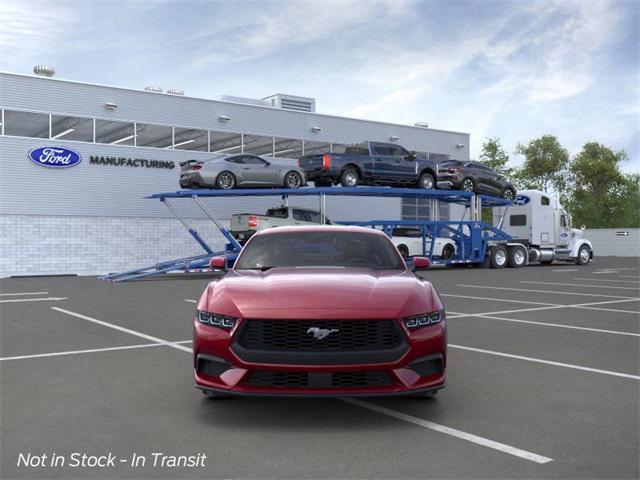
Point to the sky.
(515, 70)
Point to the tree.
(545, 164)
(600, 195)
(494, 156)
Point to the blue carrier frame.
(471, 236)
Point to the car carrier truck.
(540, 231)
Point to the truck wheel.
(226, 180)
(293, 179)
(468, 185)
(349, 178)
(404, 251)
(584, 255)
(426, 181)
(499, 257)
(517, 257)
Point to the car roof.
(319, 228)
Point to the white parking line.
(628, 276)
(124, 329)
(19, 300)
(23, 293)
(605, 280)
(533, 290)
(546, 362)
(91, 350)
(582, 285)
(566, 270)
(587, 306)
(469, 437)
(544, 324)
(190, 301)
(499, 299)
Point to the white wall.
(607, 242)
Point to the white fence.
(614, 242)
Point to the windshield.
(320, 249)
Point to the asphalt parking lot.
(543, 380)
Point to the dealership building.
(93, 217)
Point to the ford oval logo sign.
(55, 157)
(521, 200)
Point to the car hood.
(307, 293)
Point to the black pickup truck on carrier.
(371, 163)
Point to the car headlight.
(216, 319)
(424, 319)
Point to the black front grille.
(266, 378)
(295, 335)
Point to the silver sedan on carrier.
(241, 170)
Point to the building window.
(157, 136)
(114, 133)
(191, 139)
(416, 209)
(287, 148)
(71, 128)
(26, 124)
(225, 143)
(258, 145)
(313, 148)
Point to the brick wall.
(612, 241)
(45, 245)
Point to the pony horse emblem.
(322, 333)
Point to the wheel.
(349, 178)
(498, 257)
(226, 180)
(517, 257)
(404, 251)
(448, 251)
(508, 194)
(293, 179)
(426, 181)
(468, 185)
(584, 255)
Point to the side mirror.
(411, 156)
(218, 263)
(421, 263)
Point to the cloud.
(28, 28)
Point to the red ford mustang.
(319, 311)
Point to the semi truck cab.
(540, 223)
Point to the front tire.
(293, 180)
(226, 180)
(426, 181)
(448, 251)
(499, 257)
(349, 178)
(584, 255)
(404, 251)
